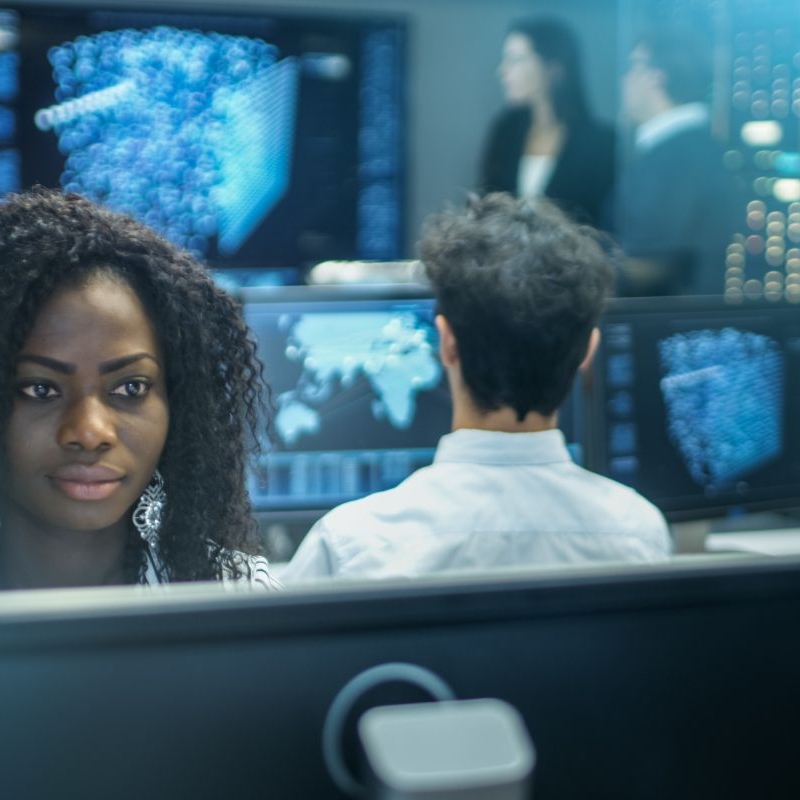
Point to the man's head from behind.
(521, 288)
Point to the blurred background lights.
(762, 133)
(787, 164)
(753, 289)
(786, 190)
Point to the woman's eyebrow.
(69, 369)
(50, 363)
(120, 363)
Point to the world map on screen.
(391, 350)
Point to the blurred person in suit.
(675, 205)
(546, 142)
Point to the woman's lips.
(79, 490)
(82, 482)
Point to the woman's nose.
(87, 424)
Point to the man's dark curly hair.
(49, 240)
(522, 287)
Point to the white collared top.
(490, 499)
(668, 123)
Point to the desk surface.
(778, 542)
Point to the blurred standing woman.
(547, 142)
(128, 387)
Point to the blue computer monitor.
(360, 396)
(693, 403)
(251, 137)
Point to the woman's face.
(522, 72)
(90, 413)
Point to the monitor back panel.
(646, 685)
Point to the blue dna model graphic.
(189, 132)
(723, 391)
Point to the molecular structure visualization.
(189, 132)
(723, 392)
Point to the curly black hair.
(522, 287)
(214, 379)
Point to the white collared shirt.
(489, 499)
(668, 123)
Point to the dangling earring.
(148, 512)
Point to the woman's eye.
(38, 391)
(132, 389)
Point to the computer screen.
(692, 403)
(260, 139)
(360, 396)
(651, 682)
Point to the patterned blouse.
(256, 567)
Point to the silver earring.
(149, 510)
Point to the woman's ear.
(591, 349)
(448, 347)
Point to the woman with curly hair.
(129, 388)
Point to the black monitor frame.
(773, 486)
(658, 682)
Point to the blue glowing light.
(189, 132)
(723, 391)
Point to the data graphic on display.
(191, 132)
(253, 140)
(723, 392)
(691, 403)
(360, 396)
